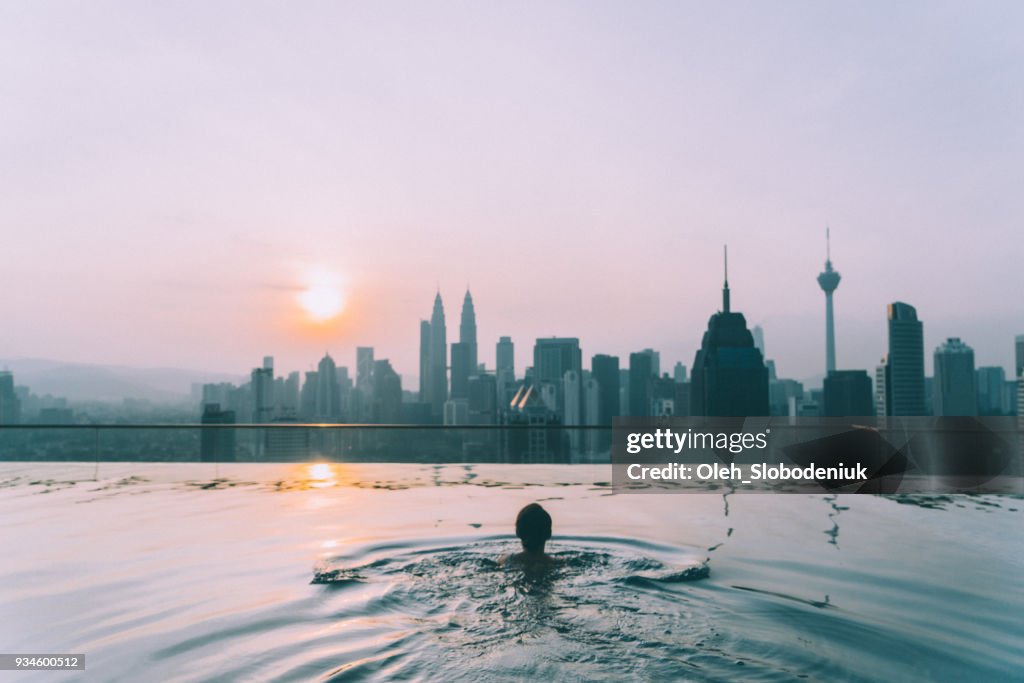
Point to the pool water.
(381, 572)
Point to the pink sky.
(171, 173)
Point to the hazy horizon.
(176, 176)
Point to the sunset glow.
(322, 299)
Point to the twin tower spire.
(434, 354)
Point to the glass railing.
(300, 442)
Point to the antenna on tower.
(725, 287)
(828, 244)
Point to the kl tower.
(828, 279)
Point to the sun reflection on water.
(321, 475)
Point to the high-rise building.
(679, 372)
(345, 389)
(729, 376)
(328, 404)
(387, 393)
(605, 371)
(217, 444)
(364, 390)
(307, 400)
(462, 369)
(424, 359)
(641, 384)
(483, 399)
(991, 381)
(655, 361)
(262, 381)
(828, 280)
(1019, 356)
(467, 330)
(505, 370)
(881, 388)
(10, 404)
(757, 332)
(436, 384)
(955, 384)
(573, 392)
(904, 383)
(286, 394)
(847, 393)
(552, 358)
(505, 357)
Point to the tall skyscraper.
(328, 406)
(552, 358)
(882, 388)
(387, 393)
(655, 361)
(424, 359)
(437, 367)
(679, 372)
(641, 384)
(955, 385)
(904, 379)
(757, 332)
(505, 356)
(605, 369)
(262, 381)
(363, 396)
(307, 401)
(1019, 356)
(991, 381)
(828, 280)
(462, 369)
(483, 394)
(10, 404)
(467, 331)
(729, 376)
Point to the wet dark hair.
(533, 527)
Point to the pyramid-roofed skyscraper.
(729, 375)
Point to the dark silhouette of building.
(435, 373)
(462, 369)
(848, 393)
(505, 370)
(992, 396)
(328, 402)
(605, 370)
(10, 404)
(552, 358)
(218, 443)
(955, 385)
(904, 366)
(729, 376)
(467, 331)
(641, 384)
(387, 392)
(1018, 356)
(483, 399)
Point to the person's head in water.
(533, 527)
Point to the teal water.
(382, 572)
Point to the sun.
(322, 298)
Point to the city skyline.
(220, 194)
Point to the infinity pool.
(339, 572)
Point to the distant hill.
(111, 383)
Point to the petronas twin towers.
(434, 389)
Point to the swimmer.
(533, 527)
